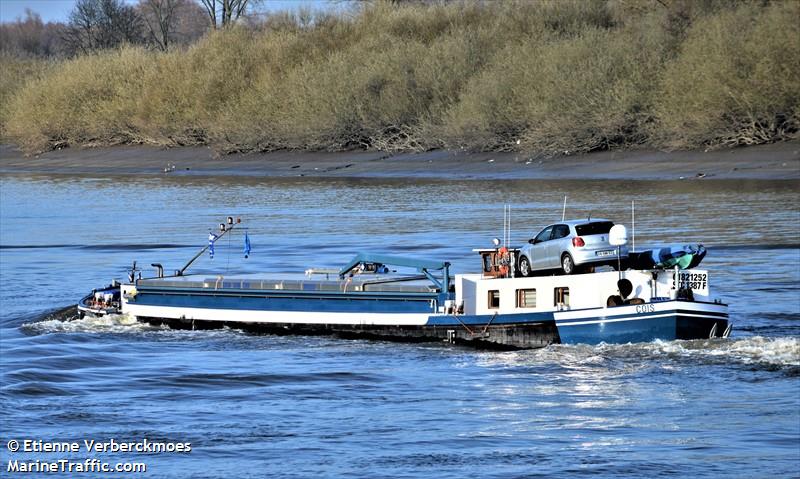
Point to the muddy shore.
(767, 162)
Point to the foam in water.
(775, 352)
(122, 324)
(112, 323)
(757, 351)
(779, 351)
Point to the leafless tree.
(30, 37)
(170, 22)
(191, 23)
(158, 17)
(99, 24)
(222, 13)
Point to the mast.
(224, 230)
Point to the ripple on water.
(289, 406)
(767, 353)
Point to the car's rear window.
(596, 228)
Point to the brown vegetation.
(14, 75)
(544, 77)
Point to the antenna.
(508, 240)
(503, 241)
(633, 225)
(564, 210)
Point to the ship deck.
(294, 282)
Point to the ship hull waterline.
(397, 319)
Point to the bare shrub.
(736, 81)
(571, 17)
(545, 77)
(90, 100)
(15, 74)
(574, 95)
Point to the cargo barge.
(368, 298)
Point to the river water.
(267, 406)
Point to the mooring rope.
(471, 332)
(490, 322)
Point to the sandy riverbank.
(767, 162)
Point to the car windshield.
(596, 228)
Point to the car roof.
(581, 222)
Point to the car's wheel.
(524, 266)
(567, 265)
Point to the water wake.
(113, 323)
(759, 352)
(755, 352)
(762, 352)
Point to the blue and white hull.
(415, 314)
(668, 320)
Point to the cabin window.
(561, 296)
(487, 263)
(494, 299)
(526, 298)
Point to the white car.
(571, 246)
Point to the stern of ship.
(665, 320)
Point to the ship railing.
(216, 284)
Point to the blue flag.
(246, 245)
(211, 239)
